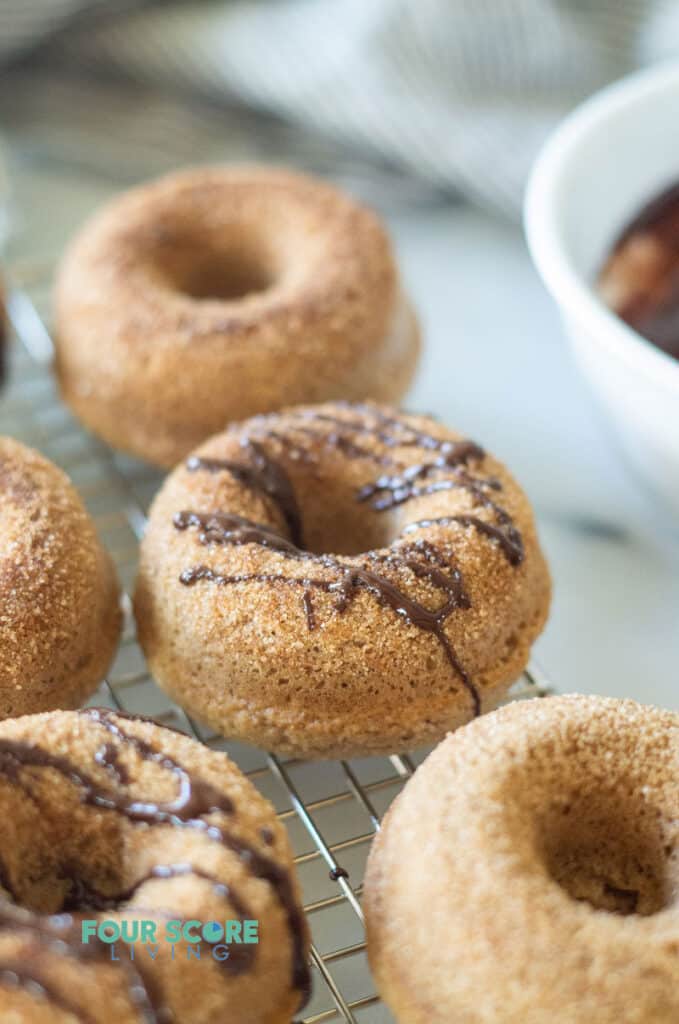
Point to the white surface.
(497, 367)
(610, 156)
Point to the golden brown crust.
(296, 667)
(155, 367)
(529, 871)
(60, 618)
(62, 855)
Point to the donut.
(111, 822)
(60, 616)
(529, 871)
(215, 294)
(339, 579)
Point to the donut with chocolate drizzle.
(159, 828)
(341, 579)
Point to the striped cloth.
(456, 93)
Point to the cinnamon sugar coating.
(129, 821)
(214, 294)
(421, 617)
(60, 618)
(529, 872)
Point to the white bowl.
(610, 156)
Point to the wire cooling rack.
(333, 809)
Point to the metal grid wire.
(332, 809)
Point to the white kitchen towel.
(459, 93)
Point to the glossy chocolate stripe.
(509, 540)
(261, 474)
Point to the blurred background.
(431, 110)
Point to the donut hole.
(204, 269)
(334, 522)
(349, 534)
(609, 854)
(227, 277)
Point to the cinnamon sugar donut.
(108, 818)
(529, 872)
(59, 612)
(339, 579)
(214, 294)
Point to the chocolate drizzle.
(196, 799)
(507, 536)
(196, 796)
(260, 474)
(308, 605)
(448, 469)
(405, 482)
(390, 490)
(82, 896)
(419, 558)
(387, 430)
(221, 528)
